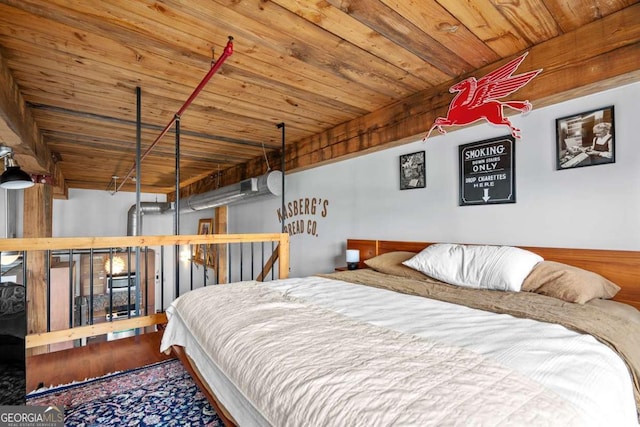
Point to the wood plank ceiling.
(345, 76)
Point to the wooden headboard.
(621, 267)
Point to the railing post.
(283, 259)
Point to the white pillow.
(501, 268)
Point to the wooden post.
(283, 261)
(220, 227)
(37, 222)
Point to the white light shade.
(14, 178)
(117, 263)
(9, 257)
(353, 255)
(185, 254)
(11, 181)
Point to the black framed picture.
(488, 172)
(413, 171)
(585, 139)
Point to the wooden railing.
(37, 254)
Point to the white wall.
(99, 213)
(11, 223)
(588, 207)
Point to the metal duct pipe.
(145, 208)
(265, 185)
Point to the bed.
(390, 345)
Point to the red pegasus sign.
(478, 99)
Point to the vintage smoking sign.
(478, 99)
(487, 172)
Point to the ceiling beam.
(132, 124)
(19, 131)
(595, 57)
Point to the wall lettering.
(296, 213)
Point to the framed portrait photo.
(205, 226)
(413, 171)
(585, 139)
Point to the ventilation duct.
(145, 208)
(265, 185)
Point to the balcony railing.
(80, 288)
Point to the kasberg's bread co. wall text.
(302, 215)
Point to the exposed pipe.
(228, 50)
(282, 164)
(176, 219)
(138, 188)
(146, 208)
(138, 151)
(176, 214)
(265, 185)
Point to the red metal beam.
(228, 50)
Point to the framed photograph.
(585, 139)
(205, 226)
(488, 172)
(412, 171)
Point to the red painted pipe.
(228, 50)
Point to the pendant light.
(13, 178)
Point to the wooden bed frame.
(621, 267)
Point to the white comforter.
(260, 337)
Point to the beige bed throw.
(303, 365)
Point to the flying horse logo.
(478, 99)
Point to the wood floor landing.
(80, 363)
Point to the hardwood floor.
(94, 360)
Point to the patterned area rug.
(159, 394)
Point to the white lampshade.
(353, 255)
(14, 178)
(9, 257)
(116, 262)
(185, 253)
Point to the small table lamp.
(353, 259)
